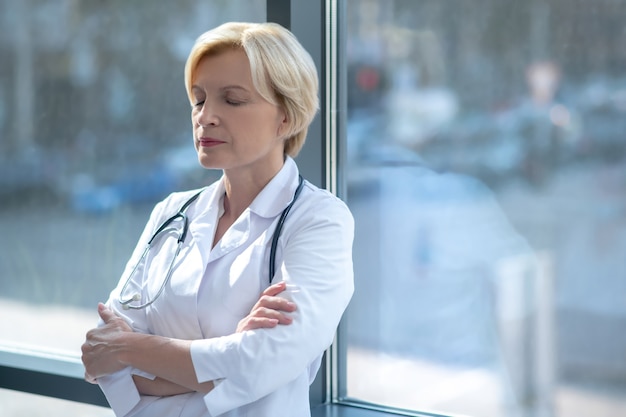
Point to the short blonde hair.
(283, 72)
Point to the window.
(95, 125)
(94, 129)
(484, 163)
(486, 172)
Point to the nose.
(206, 116)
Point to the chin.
(208, 162)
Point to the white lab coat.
(263, 372)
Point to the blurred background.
(485, 168)
(487, 175)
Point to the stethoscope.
(168, 226)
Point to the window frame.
(49, 373)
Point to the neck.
(236, 203)
(242, 189)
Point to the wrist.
(126, 342)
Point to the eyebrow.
(225, 88)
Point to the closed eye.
(233, 102)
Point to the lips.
(209, 142)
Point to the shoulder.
(315, 195)
(316, 204)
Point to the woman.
(204, 341)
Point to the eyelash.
(229, 102)
(233, 102)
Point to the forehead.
(228, 66)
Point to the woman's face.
(235, 129)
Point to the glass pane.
(94, 129)
(487, 176)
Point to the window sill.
(359, 410)
(60, 375)
(50, 373)
(339, 410)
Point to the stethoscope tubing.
(279, 228)
(126, 303)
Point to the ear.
(283, 124)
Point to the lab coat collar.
(205, 217)
(278, 193)
(270, 202)
(274, 197)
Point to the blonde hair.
(283, 72)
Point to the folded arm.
(114, 346)
(317, 267)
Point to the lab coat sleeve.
(119, 388)
(317, 267)
(120, 391)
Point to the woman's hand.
(269, 311)
(102, 345)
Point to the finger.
(275, 289)
(276, 303)
(106, 313)
(283, 319)
(267, 313)
(260, 323)
(90, 379)
(251, 323)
